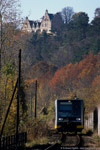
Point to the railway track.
(59, 145)
(55, 146)
(67, 141)
(71, 140)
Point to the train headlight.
(78, 119)
(60, 119)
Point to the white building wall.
(89, 121)
(99, 120)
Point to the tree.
(57, 22)
(80, 24)
(95, 26)
(7, 85)
(67, 14)
(9, 23)
(80, 79)
(97, 13)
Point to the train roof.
(68, 100)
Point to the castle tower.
(46, 12)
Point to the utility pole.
(18, 97)
(35, 100)
(31, 105)
(0, 50)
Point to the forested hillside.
(65, 45)
(74, 50)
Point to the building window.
(25, 25)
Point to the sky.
(35, 9)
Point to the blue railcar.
(69, 115)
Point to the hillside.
(40, 69)
(70, 50)
(70, 43)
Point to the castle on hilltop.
(44, 25)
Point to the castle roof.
(51, 16)
(39, 23)
(35, 23)
(31, 23)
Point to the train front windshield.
(69, 109)
(65, 107)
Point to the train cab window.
(65, 107)
(69, 109)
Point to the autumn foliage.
(81, 78)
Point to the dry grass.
(37, 133)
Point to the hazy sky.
(35, 9)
